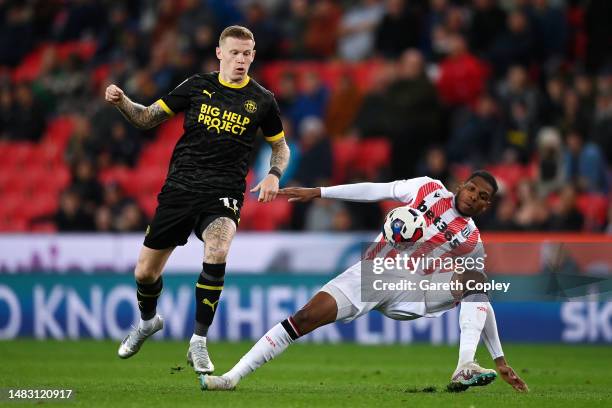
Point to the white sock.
(146, 324)
(273, 343)
(490, 336)
(472, 319)
(195, 337)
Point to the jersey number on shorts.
(230, 203)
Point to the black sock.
(147, 294)
(207, 292)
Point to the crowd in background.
(458, 83)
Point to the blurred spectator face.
(84, 170)
(574, 142)
(23, 95)
(255, 13)
(438, 5)
(554, 88)
(482, 4)
(299, 8)
(583, 85)
(112, 194)
(204, 36)
(454, 20)
(311, 83)
(525, 191)
(440, 40)
(382, 77)
(104, 219)
(567, 199)
(505, 210)
(603, 105)
(517, 22)
(457, 45)
(517, 78)
(311, 130)
(82, 127)
(485, 106)
(395, 8)
(130, 218)
(287, 85)
(411, 64)
(70, 202)
(571, 102)
(118, 131)
(235, 56)
(436, 160)
(342, 221)
(6, 98)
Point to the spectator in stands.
(435, 165)
(264, 29)
(327, 215)
(531, 213)
(7, 114)
(114, 198)
(104, 220)
(86, 185)
(293, 18)
(339, 114)
(16, 33)
(311, 100)
(81, 17)
(517, 88)
(287, 94)
(131, 219)
(28, 117)
(550, 170)
(462, 75)
(357, 29)
(316, 163)
(433, 31)
(487, 23)
(476, 133)
(71, 216)
(602, 124)
(398, 30)
(122, 146)
(575, 115)
(585, 164)
(504, 215)
(565, 216)
(321, 34)
(82, 144)
(550, 30)
(414, 112)
(515, 46)
(551, 110)
(374, 117)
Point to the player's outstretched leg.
(149, 286)
(319, 311)
(472, 318)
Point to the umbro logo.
(210, 94)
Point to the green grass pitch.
(306, 375)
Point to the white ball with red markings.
(404, 226)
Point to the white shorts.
(346, 289)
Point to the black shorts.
(180, 211)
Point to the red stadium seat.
(594, 208)
(373, 155)
(509, 174)
(388, 205)
(171, 130)
(148, 203)
(344, 151)
(58, 131)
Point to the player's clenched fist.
(114, 94)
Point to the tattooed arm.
(138, 115)
(217, 238)
(268, 187)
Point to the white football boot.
(471, 375)
(198, 358)
(215, 383)
(137, 336)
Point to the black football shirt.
(221, 123)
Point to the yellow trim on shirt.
(275, 137)
(236, 86)
(165, 107)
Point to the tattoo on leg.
(217, 239)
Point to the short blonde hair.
(236, 31)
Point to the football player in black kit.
(205, 185)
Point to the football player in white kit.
(450, 232)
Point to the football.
(404, 225)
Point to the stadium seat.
(509, 174)
(58, 131)
(171, 130)
(372, 156)
(344, 151)
(594, 208)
